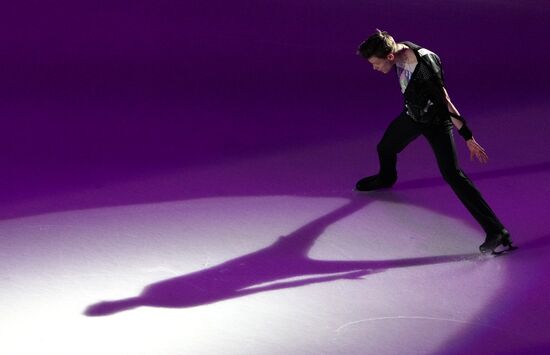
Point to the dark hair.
(379, 45)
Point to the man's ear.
(390, 57)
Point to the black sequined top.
(424, 97)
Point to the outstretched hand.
(477, 151)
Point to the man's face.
(383, 65)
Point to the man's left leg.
(442, 143)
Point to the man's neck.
(401, 55)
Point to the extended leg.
(442, 143)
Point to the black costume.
(426, 113)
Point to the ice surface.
(177, 179)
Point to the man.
(429, 112)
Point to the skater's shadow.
(265, 270)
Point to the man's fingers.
(478, 151)
(479, 154)
(482, 157)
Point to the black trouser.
(404, 130)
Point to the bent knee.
(385, 148)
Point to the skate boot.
(374, 182)
(493, 241)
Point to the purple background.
(98, 93)
(98, 88)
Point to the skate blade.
(504, 251)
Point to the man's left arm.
(473, 146)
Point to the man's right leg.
(398, 135)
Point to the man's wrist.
(465, 132)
